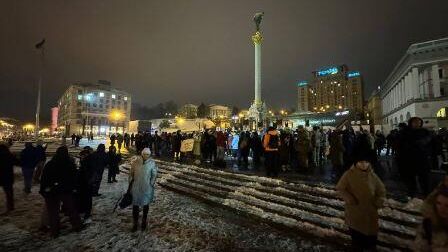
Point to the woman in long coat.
(142, 178)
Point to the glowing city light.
(353, 74)
(302, 83)
(328, 71)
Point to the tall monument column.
(257, 38)
(257, 111)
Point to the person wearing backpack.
(271, 143)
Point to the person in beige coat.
(363, 193)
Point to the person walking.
(7, 162)
(113, 162)
(363, 194)
(337, 153)
(119, 142)
(99, 162)
(58, 185)
(142, 179)
(132, 139)
(112, 139)
(271, 143)
(28, 160)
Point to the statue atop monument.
(257, 19)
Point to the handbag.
(126, 199)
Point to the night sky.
(200, 50)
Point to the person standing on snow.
(142, 179)
(271, 143)
(7, 162)
(58, 184)
(363, 194)
(28, 160)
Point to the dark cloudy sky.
(200, 50)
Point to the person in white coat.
(142, 177)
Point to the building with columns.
(417, 86)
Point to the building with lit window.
(219, 111)
(331, 89)
(418, 86)
(98, 108)
(189, 111)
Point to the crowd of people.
(69, 186)
(353, 157)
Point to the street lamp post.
(39, 46)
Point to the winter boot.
(145, 217)
(135, 213)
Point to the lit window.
(79, 97)
(113, 96)
(125, 98)
(101, 94)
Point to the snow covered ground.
(176, 223)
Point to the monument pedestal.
(257, 113)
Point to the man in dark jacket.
(99, 162)
(28, 160)
(415, 155)
(7, 162)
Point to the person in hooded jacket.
(58, 184)
(7, 162)
(271, 143)
(363, 194)
(142, 179)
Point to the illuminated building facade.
(96, 108)
(418, 86)
(331, 89)
(219, 111)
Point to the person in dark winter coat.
(243, 148)
(271, 143)
(41, 159)
(86, 181)
(257, 149)
(7, 162)
(177, 141)
(99, 162)
(114, 161)
(58, 184)
(415, 156)
(120, 142)
(112, 139)
(28, 160)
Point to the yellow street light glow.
(28, 126)
(241, 114)
(116, 115)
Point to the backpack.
(273, 142)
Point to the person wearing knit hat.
(363, 194)
(142, 179)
